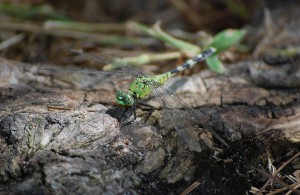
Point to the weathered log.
(55, 135)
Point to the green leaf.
(215, 64)
(226, 38)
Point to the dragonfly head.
(124, 98)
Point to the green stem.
(86, 27)
(141, 60)
(157, 33)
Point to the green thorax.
(143, 85)
(140, 88)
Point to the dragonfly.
(144, 85)
(181, 115)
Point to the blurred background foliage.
(46, 31)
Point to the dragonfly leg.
(118, 117)
(134, 111)
(123, 114)
(147, 107)
(131, 108)
(116, 112)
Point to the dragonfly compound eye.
(124, 98)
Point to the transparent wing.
(109, 59)
(71, 77)
(126, 71)
(184, 119)
(124, 68)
